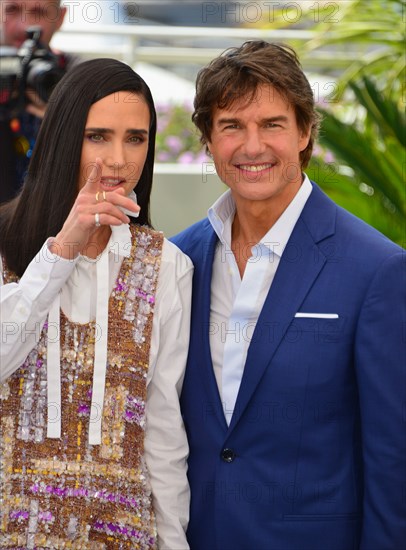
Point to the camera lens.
(43, 77)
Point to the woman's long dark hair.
(51, 185)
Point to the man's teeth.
(255, 167)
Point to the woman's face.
(117, 130)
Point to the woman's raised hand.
(93, 212)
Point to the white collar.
(221, 216)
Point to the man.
(18, 15)
(18, 132)
(295, 391)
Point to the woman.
(94, 331)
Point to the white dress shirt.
(236, 303)
(24, 307)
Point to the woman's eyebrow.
(110, 131)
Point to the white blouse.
(50, 280)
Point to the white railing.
(125, 42)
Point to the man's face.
(255, 147)
(17, 15)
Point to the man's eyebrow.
(278, 118)
(28, 9)
(225, 120)
(234, 120)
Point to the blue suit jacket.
(316, 454)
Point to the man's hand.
(35, 105)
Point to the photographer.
(19, 126)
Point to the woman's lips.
(111, 183)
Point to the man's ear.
(304, 139)
(62, 13)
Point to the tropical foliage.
(364, 123)
(373, 31)
(370, 179)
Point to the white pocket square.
(317, 315)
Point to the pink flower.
(186, 158)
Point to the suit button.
(228, 455)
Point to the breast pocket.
(319, 330)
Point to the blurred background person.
(21, 112)
(18, 15)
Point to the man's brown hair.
(237, 73)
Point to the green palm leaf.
(372, 147)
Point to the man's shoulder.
(72, 60)
(362, 234)
(67, 61)
(194, 237)
(354, 233)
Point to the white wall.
(181, 195)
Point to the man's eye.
(11, 10)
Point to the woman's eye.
(136, 139)
(95, 137)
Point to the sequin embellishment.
(65, 493)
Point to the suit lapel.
(300, 265)
(201, 297)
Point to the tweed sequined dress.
(65, 493)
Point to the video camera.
(32, 66)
